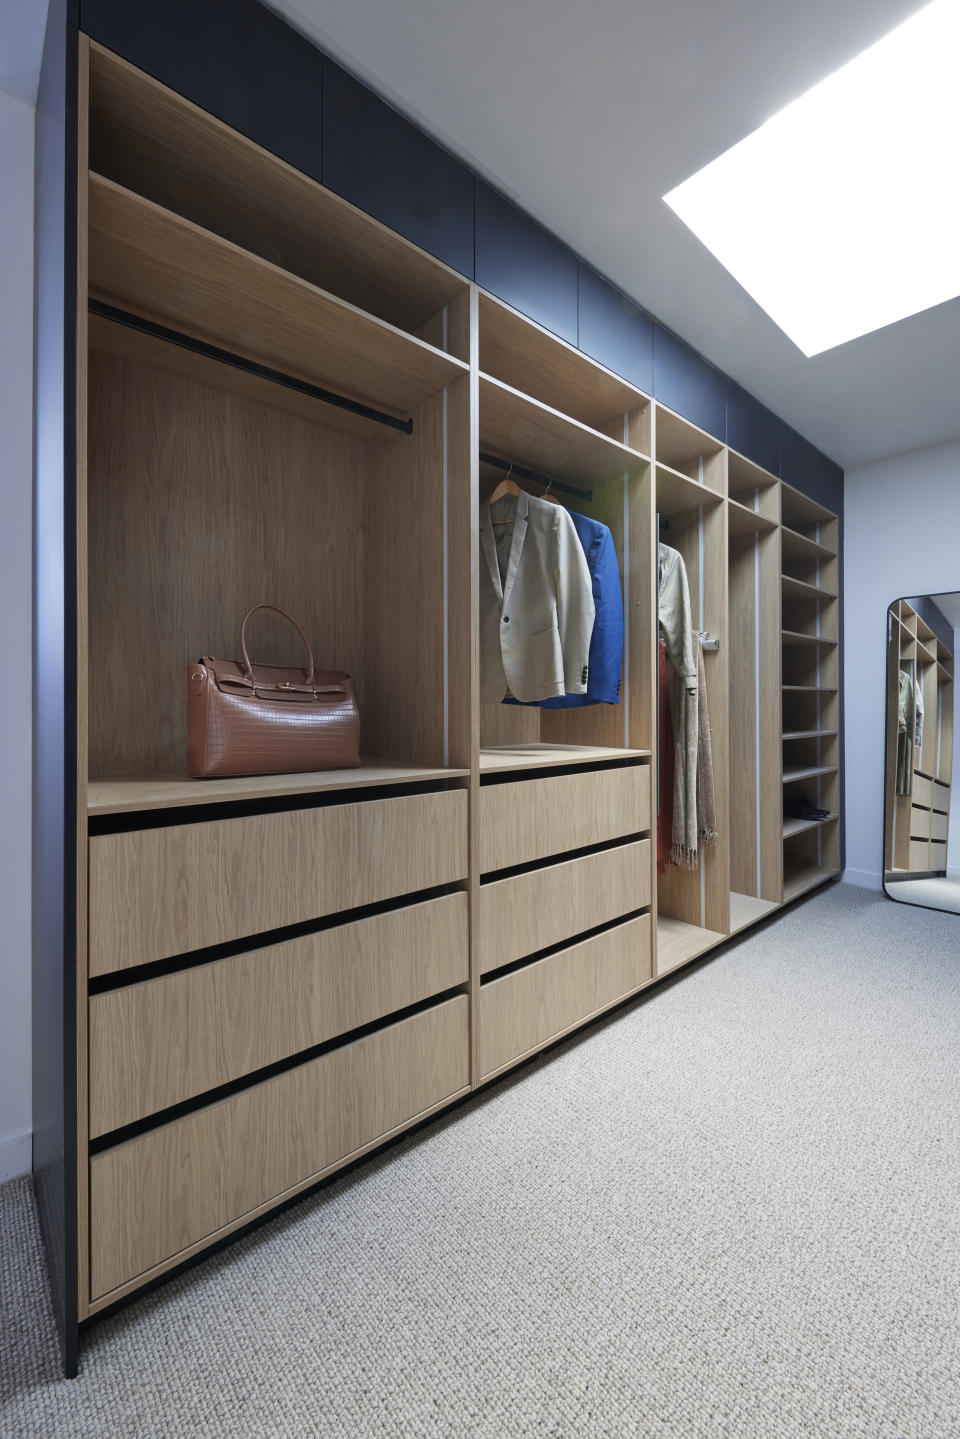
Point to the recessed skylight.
(841, 214)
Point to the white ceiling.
(588, 113)
(949, 607)
(22, 23)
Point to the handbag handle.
(247, 666)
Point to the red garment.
(664, 762)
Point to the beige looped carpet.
(731, 1210)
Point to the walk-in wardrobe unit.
(917, 812)
(279, 397)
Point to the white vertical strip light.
(872, 146)
(756, 692)
(446, 576)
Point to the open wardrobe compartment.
(280, 399)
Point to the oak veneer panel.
(938, 827)
(920, 822)
(201, 504)
(518, 428)
(534, 911)
(158, 1043)
(527, 1009)
(500, 759)
(922, 791)
(154, 141)
(678, 942)
(530, 819)
(161, 892)
(805, 877)
(528, 358)
(941, 797)
(146, 259)
(160, 1193)
(744, 718)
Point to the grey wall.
(16, 510)
(901, 531)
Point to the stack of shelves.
(916, 824)
(809, 537)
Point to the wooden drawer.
(526, 1009)
(157, 1043)
(941, 797)
(161, 892)
(938, 857)
(938, 826)
(919, 854)
(533, 911)
(920, 822)
(165, 1192)
(526, 820)
(922, 792)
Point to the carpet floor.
(732, 1209)
(936, 893)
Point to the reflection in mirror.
(921, 853)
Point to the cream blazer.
(535, 628)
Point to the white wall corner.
(865, 878)
(16, 1156)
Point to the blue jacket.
(606, 643)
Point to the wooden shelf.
(146, 792)
(679, 443)
(744, 474)
(154, 141)
(795, 637)
(517, 427)
(798, 509)
(810, 689)
(150, 261)
(810, 734)
(792, 827)
(746, 909)
(925, 654)
(499, 759)
(804, 879)
(676, 492)
(808, 772)
(520, 353)
(799, 547)
(741, 520)
(800, 590)
(678, 942)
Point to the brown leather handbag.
(269, 719)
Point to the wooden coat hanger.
(505, 487)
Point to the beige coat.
(536, 622)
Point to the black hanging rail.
(241, 362)
(537, 479)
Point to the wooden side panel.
(744, 701)
(156, 1195)
(161, 892)
(158, 1043)
(187, 531)
(770, 672)
(525, 1010)
(533, 911)
(531, 819)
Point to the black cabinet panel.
(523, 264)
(234, 58)
(614, 330)
(684, 382)
(809, 470)
(381, 162)
(753, 430)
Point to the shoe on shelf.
(798, 806)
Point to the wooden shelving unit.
(800, 880)
(679, 942)
(677, 492)
(793, 827)
(791, 776)
(499, 759)
(744, 521)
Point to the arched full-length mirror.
(921, 844)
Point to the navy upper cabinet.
(685, 382)
(522, 263)
(753, 430)
(808, 469)
(615, 331)
(382, 163)
(233, 58)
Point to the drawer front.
(157, 1195)
(938, 826)
(524, 1010)
(941, 797)
(530, 819)
(160, 892)
(919, 854)
(922, 791)
(533, 911)
(938, 857)
(920, 823)
(157, 1043)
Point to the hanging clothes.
(606, 642)
(664, 760)
(918, 715)
(536, 602)
(675, 615)
(906, 723)
(694, 792)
